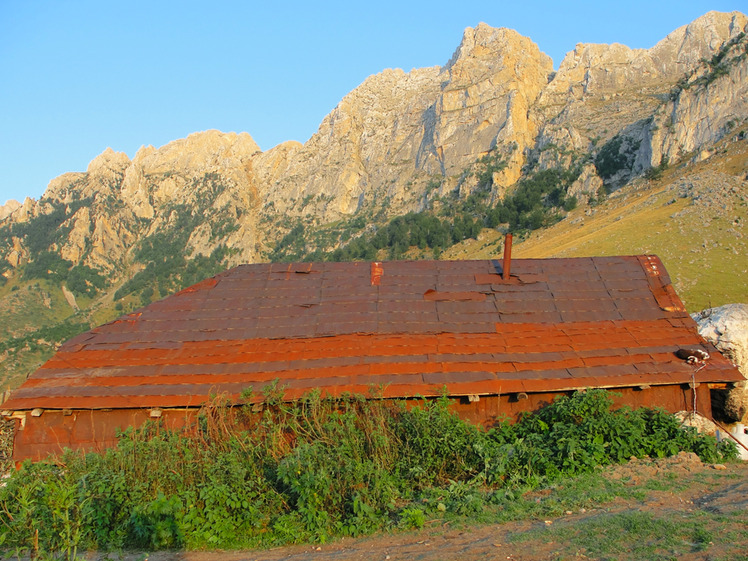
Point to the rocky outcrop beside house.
(726, 328)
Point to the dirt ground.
(678, 490)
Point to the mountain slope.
(693, 217)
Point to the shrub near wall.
(316, 469)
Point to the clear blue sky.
(79, 76)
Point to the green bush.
(40, 232)
(617, 154)
(315, 469)
(436, 446)
(537, 200)
(83, 280)
(53, 334)
(47, 265)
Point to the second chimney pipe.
(507, 257)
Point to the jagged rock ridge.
(402, 138)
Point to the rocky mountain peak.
(9, 206)
(486, 50)
(143, 152)
(108, 161)
(686, 46)
(200, 151)
(604, 68)
(494, 77)
(491, 43)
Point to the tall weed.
(315, 469)
(436, 445)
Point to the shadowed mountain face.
(492, 120)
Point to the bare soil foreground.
(676, 508)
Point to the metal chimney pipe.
(507, 257)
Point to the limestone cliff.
(601, 91)
(704, 106)
(398, 130)
(117, 202)
(400, 139)
(495, 76)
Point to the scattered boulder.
(639, 470)
(699, 422)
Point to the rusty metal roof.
(411, 327)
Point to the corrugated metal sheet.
(410, 327)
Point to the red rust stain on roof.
(376, 273)
(438, 296)
(202, 285)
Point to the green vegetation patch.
(538, 200)
(46, 336)
(616, 155)
(41, 232)
(696, 242)
(320, 468)
(43, 235)
(167, 268)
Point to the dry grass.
(694, 219)
(6, 446)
